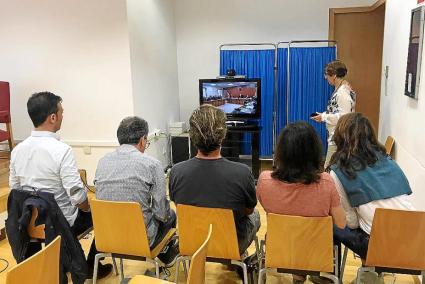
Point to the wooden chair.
(83, 176)
(197, 267)
(300, 245)
(36, 233)
(120, 232)
(396, 244)
(5, 116)
(193, 223)
(41, 268)
(389, 145)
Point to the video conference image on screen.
(231, 97)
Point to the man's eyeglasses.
(148, 143)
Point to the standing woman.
(342, 101)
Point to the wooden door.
(360, 33)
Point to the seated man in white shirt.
(43, 162)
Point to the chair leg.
(122, 269)
(157, 269)
(262, 252)
(185, 266)
(10, 140)
(423, 277)
(336, 261)
(262, 276)
(177, 269)
(97, 258)
(114, 262)
(344, 259)
(258, 252)
(181, 259)
(244, 268)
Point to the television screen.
(238, 98)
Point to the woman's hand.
(317, 118)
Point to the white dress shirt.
(43, 162)
(362, 216)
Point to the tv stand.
(234, 141)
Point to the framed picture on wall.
(414, 57)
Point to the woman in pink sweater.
(298, 186)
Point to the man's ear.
(141, 141)
(52, 118)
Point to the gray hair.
(131, 129)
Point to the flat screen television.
(239, 98)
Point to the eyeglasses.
(148, 143)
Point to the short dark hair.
(131, 129)
(207, 128)
(337, 68)
(298, 154)
(356, 143)
(41, 105)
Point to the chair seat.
(4, 116)
(146, 280)
(4, 135)
(156, 250)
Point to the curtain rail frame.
(275, 91)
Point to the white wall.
(400, 116)
(203, 25)
(106, 59)
(154, 65)
(77, 49)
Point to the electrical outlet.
(87, 150)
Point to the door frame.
(334, 11)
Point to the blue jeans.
(355, 239)
(251, 229)
(164, 228)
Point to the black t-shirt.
(218, 183)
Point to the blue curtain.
(309, 90)
(255, 64)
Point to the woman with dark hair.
(366, 179)
(298, 186)
(342, 101)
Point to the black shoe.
(320, 280)
(169, 254)
(103, 270)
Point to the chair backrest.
(35, 232)
(299, 243)
(41, 268)
(197, 263)
(119, 228)
(83, 176)
(389, 144)
(193, 223)
(4, 97)
(397, 240)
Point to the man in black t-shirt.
(209, 180)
